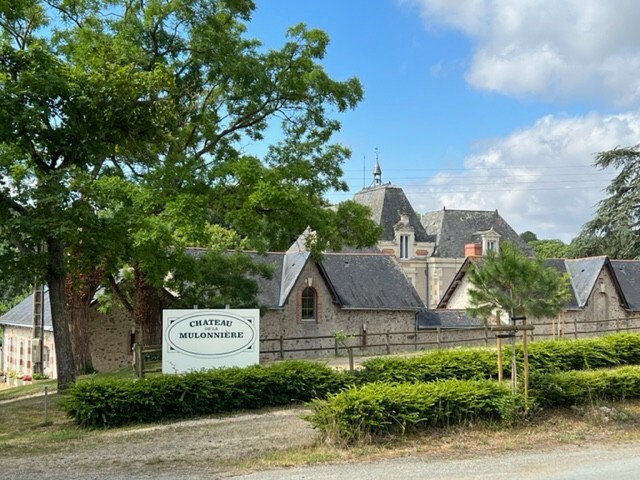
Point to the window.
(491, 246)
(404, 246)
(308, 304)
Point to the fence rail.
(148, 358)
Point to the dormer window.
(404, 246)
(490, 240)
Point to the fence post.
(335, 340)
(281, 342)
(388, 343)
(486, 334)
(438, 337)
(575, 327)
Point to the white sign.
(203, 339)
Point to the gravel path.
(210, 449)
(190, 450)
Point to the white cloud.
(567, 50)
(539, 178)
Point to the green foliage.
(112, 402)
(459, 363)
(511, 282)
(585, 354)
(376, 409)
(565, 389)
(614, 229)
(528, 236)
(546, 356)
(124, 128)
(550, 248)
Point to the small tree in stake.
(512, 282)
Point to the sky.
(481, 104)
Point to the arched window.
(309, 305)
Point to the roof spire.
(377, 171)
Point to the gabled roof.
(387, 203)
(22, 314)
(628, 274)
(583, 274)
(369, 281)
(453, 229)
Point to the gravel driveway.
(211, 448)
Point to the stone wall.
(111, 339)
(287, 323)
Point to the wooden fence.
(148, 358)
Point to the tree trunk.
(56, 281)
(79, 297)
(147, 308)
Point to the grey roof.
(583, 273)
(442, 318)
(22, 314)
(269, 288)
(387, 203)
(453, 229)
(560, 265)
(366, 281)
(628, 274)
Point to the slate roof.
(372, 282)
(628, 274)
(22, 314)
(387, 202)
(583, 274)
(453, 229)
(443, 318)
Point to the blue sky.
(481, 104)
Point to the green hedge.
(112, 402)
(545, 356)
(551, 356)
(588, 386)
(459, 363)
(380, 408)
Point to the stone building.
(430, 249)
(362, 293)
(604, 296)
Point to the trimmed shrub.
(565, 389)
(112, 402)
(546, 356)
(585, 354)
(376, 409)
(458, 363)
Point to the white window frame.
(404, 247)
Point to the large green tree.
(615, 228)
(123, 134)
(513, 283)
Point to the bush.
(112, 402)
(585, 354)
(546, 356)
(459, 363)
(565, 389)
(375, 409)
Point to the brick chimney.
(473, 250)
